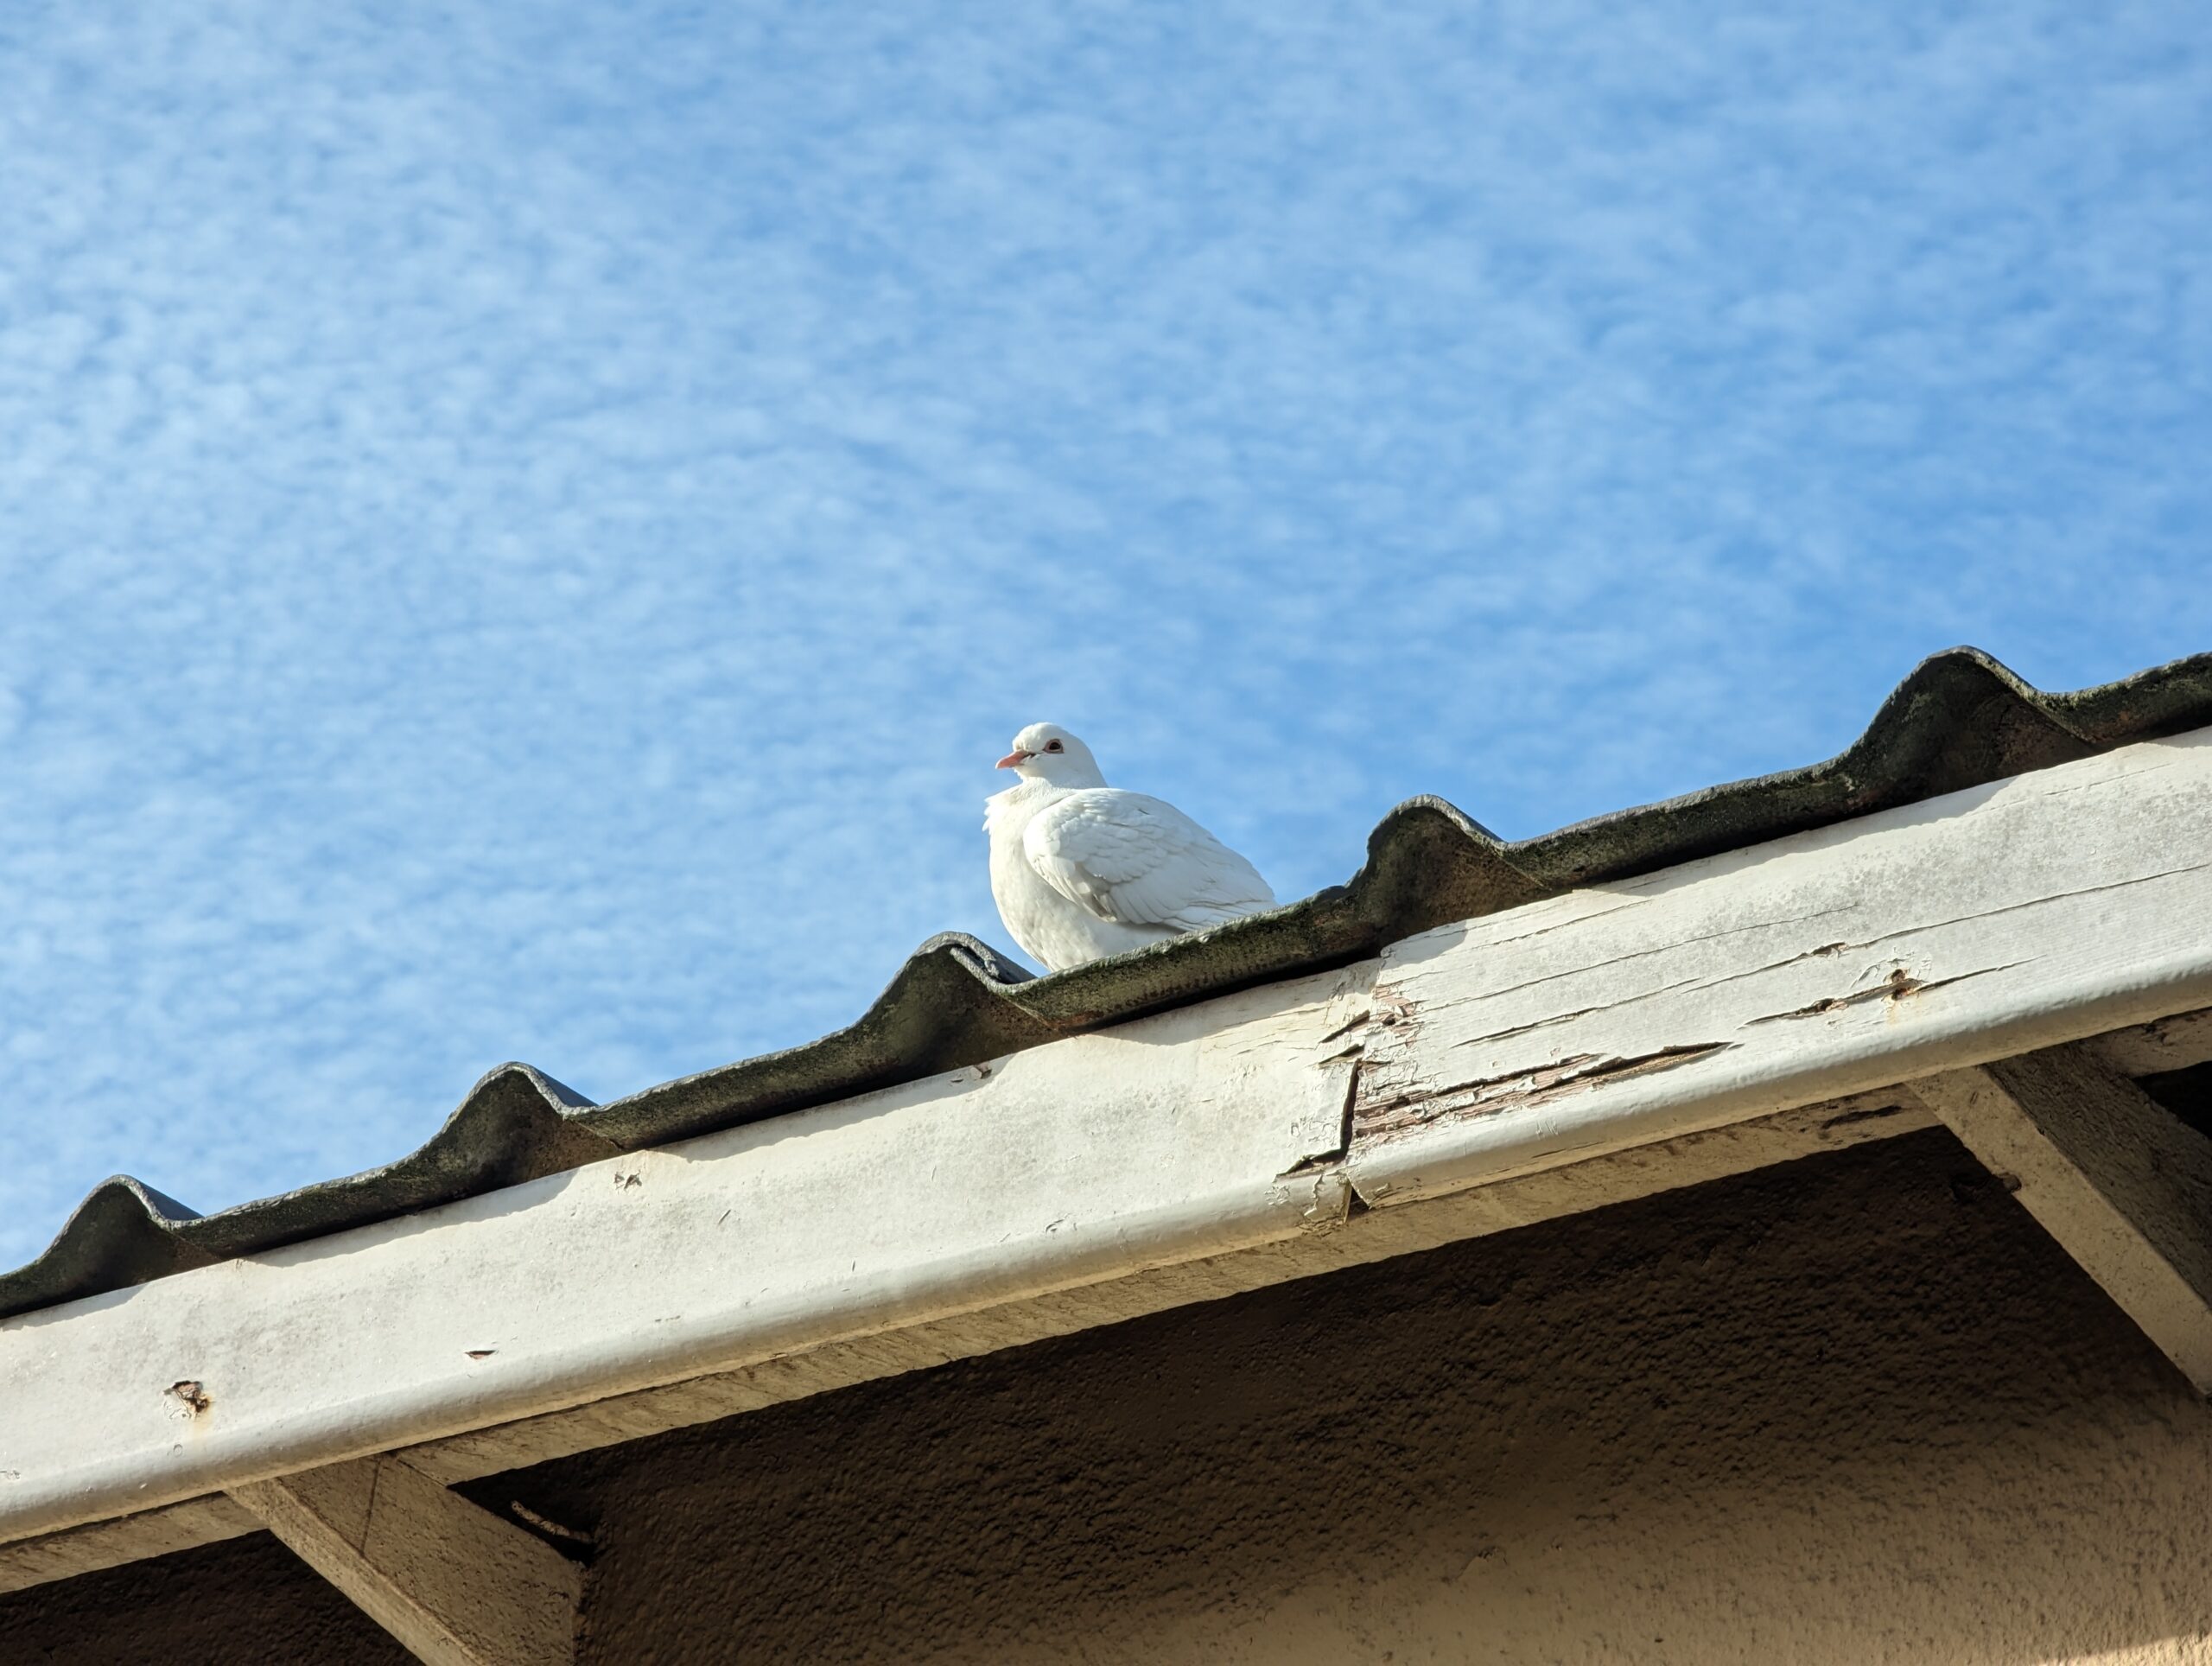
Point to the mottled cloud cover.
(522, 528)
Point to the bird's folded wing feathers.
(1141, 861)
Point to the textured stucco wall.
(1855, 1411)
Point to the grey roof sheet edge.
(1959, 719)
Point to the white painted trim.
(1163, 1160)
(1159, 1142)
(1809, 1131)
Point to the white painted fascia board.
(1548, 1194)
(2043, 909)
(2034, 911)
(1160, 1140)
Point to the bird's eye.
(1054, 746)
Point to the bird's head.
(1046, 752)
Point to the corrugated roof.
(1960, 720)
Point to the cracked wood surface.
(2123, 1185)
(2034, 911)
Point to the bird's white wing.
(1139, 861)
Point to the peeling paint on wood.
(1822, 964)
(1517, 1089)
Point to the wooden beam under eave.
(2123, 1185)
(455, 1584)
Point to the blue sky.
(522, 528)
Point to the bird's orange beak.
(1012, 758)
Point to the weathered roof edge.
(1959, 719)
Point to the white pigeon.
(1080, 869)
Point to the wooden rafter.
(455, 1584)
